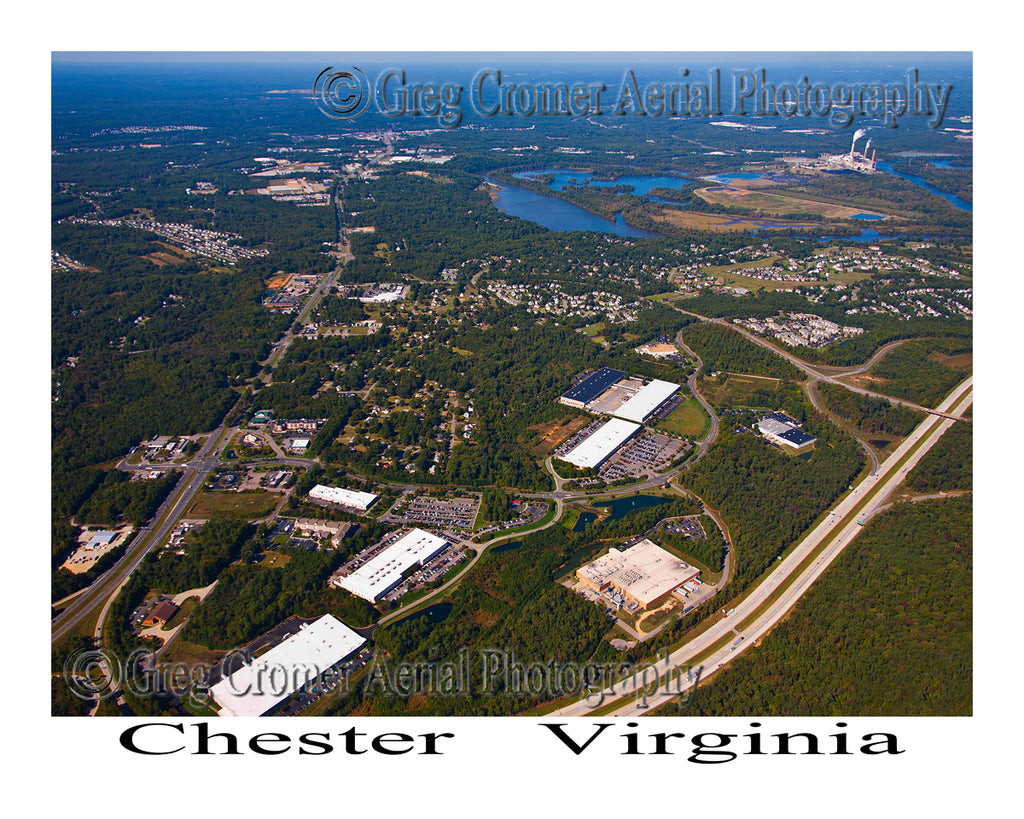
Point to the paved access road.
(691, 382)
(821, 372)
(841, 524)
(104, 588)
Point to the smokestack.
(857, 135)
(873, 154)
(866, 147)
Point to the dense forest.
(924, 371)
(121, 499)
(948, 466)
(769, 499)
(869, 415)
(887, 631)
(723, 349)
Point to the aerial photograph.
(511, 384)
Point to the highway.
(841, 525)
(104, 588)
(821, 372)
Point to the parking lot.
(444, 513)
(648, 452)
(569, 443)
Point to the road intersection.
(757, 613)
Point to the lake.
(557, 214)
(434, 614)
(623, 506)
(641, 185)
(955, 201)
(583, 521)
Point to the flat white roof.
(646, 401)
(644, 571)
(771, 426)
(378, 576)
(102, 538)
(602, 443)
(256, 688)
(346, 497)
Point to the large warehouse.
(591, 387)
(645, 401)
(785, 432)
(267, 681)
(644, 573)
(343, 497)
(601, 445)
(381, 574)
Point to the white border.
(503, 763)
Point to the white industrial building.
(382, 573)
(343, 497)
(785, 432)
(598, 447)
(646, 400)
(644, 573)
(267, 681)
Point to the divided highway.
(838, 529)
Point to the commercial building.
(785, 432)
(382, 573)
(104, 538)
(657, 350)
(644, 574)
(343, 497)
(646, 400)
(160, 613)
(266, 682)
(337, 529)
(602, 444)
(610, 392)
(591, 387)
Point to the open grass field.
(957, 362)
(244, 505)
(274, 560)
(730, 389)
(191, 654)
(775, 204)
(689, 420)
(693, 220)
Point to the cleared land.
(775, 204)
(278, 281)
(551, 434)
(689, 420)
(245, 505)
(274, 560)
(730, 389)
(693, 220)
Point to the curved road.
(841, 525)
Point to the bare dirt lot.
(550, 435)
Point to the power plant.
(863, 162)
